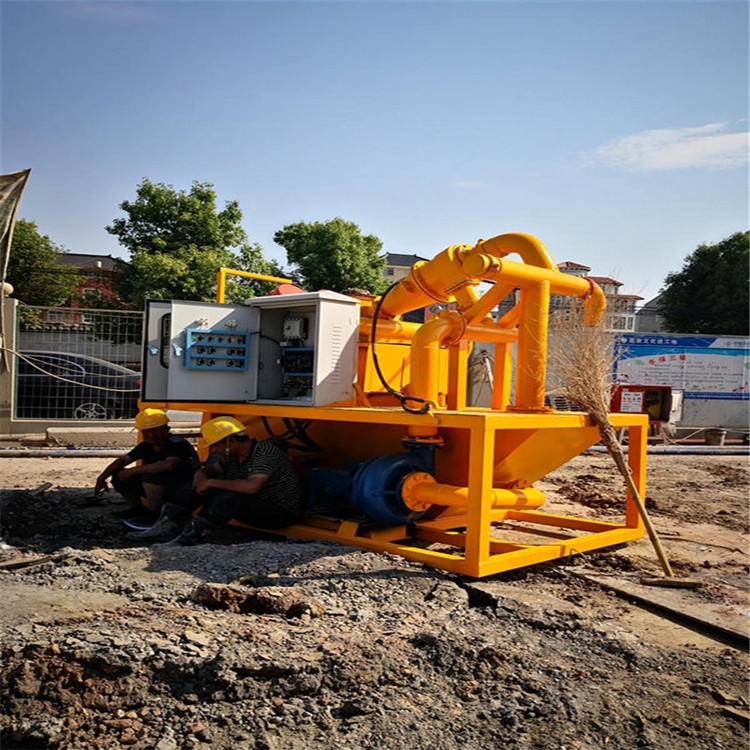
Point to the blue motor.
(372, 486)
(376, 488)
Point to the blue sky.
(615, 132)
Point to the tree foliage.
(178, 240)
(710, 294)
(32, 271)
(333, 255)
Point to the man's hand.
(200, 482)
(100, 486)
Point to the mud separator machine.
(373, 408)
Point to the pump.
(373, 408)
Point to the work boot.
(194, 532)
(164, 528)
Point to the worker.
(166, 469)
(244, 479)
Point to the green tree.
(333, 255)
(32, 271)
(710, 294)
(178, 240)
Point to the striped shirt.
(282, 487)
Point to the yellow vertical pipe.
(221, 285)
(501, 376)
(458, 375)
(531, 365)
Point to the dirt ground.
(271, 643)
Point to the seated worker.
(251, 481)
(168, 464)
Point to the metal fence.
(74, 363)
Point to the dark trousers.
(159, 488)
(219, 508)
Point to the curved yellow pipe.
(444, 277)
(425, 353)
(532, 251)
(429, 281)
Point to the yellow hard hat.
(219, 428)
(150, 418)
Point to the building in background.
(397, 266)
(97, 274)
(649, 318)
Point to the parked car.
(61, 385)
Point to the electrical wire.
(402, 398)
(296, 431)
(52, 375)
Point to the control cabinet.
(308, 348)
(299, 348)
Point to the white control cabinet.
(296, 348)
(308, 348)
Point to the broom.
(582, 359)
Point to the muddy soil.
(269, 643)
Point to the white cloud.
(705, 147)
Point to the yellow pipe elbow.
(436, 280)
(594, 305)
(425, 354)
(532, 251)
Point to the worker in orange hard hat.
(245, 479)
(167, 465)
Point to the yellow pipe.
(531, 362)
(488, 302)
(485, 267)
(501, 377)
(420, 491)
(436, 280)
(425, 353)
(532, 251)
(221, 280)
(444, 277)
(398, 330)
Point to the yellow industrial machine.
(374, 409)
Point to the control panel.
(211, 349)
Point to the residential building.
(95, 289)
(398, 265)
(97, 274)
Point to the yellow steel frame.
(467, 540)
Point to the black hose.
(403, 399)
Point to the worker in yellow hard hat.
(245, 479)
(166, 468)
